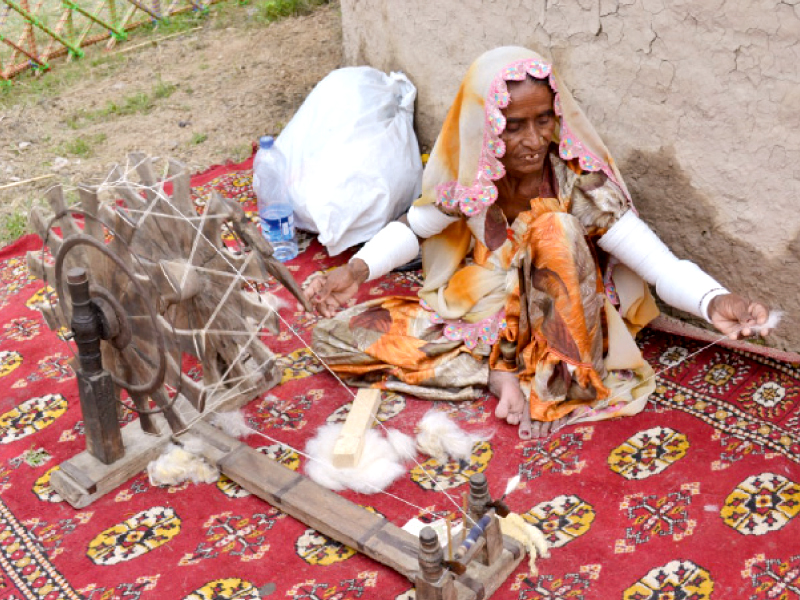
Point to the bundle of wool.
(381, 461)
(232, 423)
(514, 526)
(773, 320)
(181, 463)
(439, 436)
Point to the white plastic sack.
(352, 156)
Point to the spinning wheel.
(154, 280)
(164, 283)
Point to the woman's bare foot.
(545, 428)
(511, 405)
(525, 430)
(505, 386)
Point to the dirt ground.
(234, 80)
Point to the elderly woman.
(535, 266)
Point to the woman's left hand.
(734, 316)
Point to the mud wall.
(698, 100)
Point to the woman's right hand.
(734, 316)
(329, 292)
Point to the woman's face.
(530, 123)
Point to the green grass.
(239, 152)
(163, 89)
(82, 146)
(138, 102)
(132, 104)
(31, 86)
(272, 10)
(13, 226)
(49, 14)
(176, 23)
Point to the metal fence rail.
(36, 41)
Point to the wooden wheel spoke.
(158, 206)
(55, 197)
(132, 198)
(188, 387)
(164, 402)
(40, 222)
(168, 277)
(146, 422)
(114, 362)
(253, 238)
(182, 201)
(90, 204)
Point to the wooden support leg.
(103, 437)
(494, 542)
(433, 582)
(103, 434)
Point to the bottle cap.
(266, 141)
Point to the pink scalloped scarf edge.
(473, 199)
(486, 331)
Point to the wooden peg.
(350, 443)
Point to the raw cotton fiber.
(232, 423)
(381, 461)
(439, 436)
(178, 464)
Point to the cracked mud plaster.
(710, 85)
(684, 219)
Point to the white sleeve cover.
(679, 283)
(391, 247)
(427, 220)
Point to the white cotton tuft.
(176, 465)
(192, 444)
(232, 423)
(539, 540)
(273, 301)
(441, 438)
(404, 445)
(415, 526)
(379, 466)
(512, 484)
(772, 321)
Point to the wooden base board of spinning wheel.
(83, 478)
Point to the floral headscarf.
(465, 161)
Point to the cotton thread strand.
(606, 403)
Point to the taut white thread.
(607, 402)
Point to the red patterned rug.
(695, 498)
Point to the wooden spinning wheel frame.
(151, 268)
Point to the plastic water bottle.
(274, 204)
